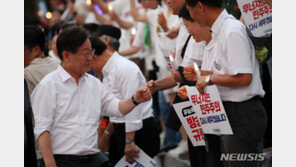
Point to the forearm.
(164, 27)
(205, 73)
(129, 51)
(46, 150)
(103, 19)
(166, 83)
(135, 13)
(124, 24)
(231, 80)
(130, 135)
(126, 106)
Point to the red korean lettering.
(194, 99)
(254, 5)
(212, 107)
(202, 109)
(256, 15)
(206, 108)
(206, 97)
(246, 7)
(217, 106)
(199, 134)
(192, 122)
(197, 122)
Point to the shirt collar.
(36, 61)
(110, 64)
(65, 75)
(218, 22)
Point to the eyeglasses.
(88, 54)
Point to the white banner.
(143, 161)
(190, 122)
(257, 16)
(210, 110)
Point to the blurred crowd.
(131, 43)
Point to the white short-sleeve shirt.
(231, 52)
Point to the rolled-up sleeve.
(43, 105)
(110, 104)
(129, 82)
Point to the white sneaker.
(182, 147)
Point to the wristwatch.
(134, 101)
(127, 140)
(208, 80)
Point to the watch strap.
(127, 140)
(134, 101)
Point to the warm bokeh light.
(48, 15)
(134, 31)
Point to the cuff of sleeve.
(133, 126)
(235, 71)
(41, 125)
(112, 110)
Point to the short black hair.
(91, 27)
(211, 3)
(34, 36)
(71, 39)
(184, 14)
(114, 43)
(109, 30)
(66, 25)
(97, 45)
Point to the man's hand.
(104, 143)
(152, 86)
(142, 95)
(190, 73)
(177, 76)
(113, 16)
(200, 84)
(182, 93)
(162, 22)
(173, 33)
(131, 151)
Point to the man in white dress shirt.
(230, 63)
(68, 102)
(123, 77)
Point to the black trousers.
(94, 160)
(248, 121)
(146, 138)
(200, 157)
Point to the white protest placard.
(210, 110)
(257, 17)
(143, 161)
(190, 122)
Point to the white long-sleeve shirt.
(71, 112)
(123, 77)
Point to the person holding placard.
(230, 63)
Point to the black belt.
(74, 157)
